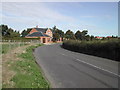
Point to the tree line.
(57, 34)
(79, 35)
(8, 32)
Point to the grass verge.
(7, 47)
(28, 73)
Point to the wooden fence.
(8, 45)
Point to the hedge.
(107, 49)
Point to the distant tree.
(78, 35)
(54, 29)
(13, 33)
(28, 30)
(57, 33)
(4, 30)
(69, 35)
(8, 32)
(60, 32)
(55, 37)
(92, 37)
(24, 33)
(84, 33)
(87, 37)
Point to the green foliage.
(25, 32)
(104, 48)
(60, 32)
(6, 47)
(28, 72)
(4, 30)
(92, 37)
(57, 33)
(78, 35)
(82, 35)
(56, 36)
(8, 32)
(54, 29)
(69, 35)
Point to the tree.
(69, 35)
(8, 32)
(54, 29)
(60, 32)
(28, 30)
(78, 35)
(92, 37)
(87, 37)
(24, 33)
(84, 33)
(4, 29)
(55, 37)
(57, 34)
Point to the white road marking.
(98, 67)
(63, 54)
(94, 66)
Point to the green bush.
(103, 48)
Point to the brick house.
(97, 37)
(45, 34)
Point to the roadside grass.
(7, 47)
(28, 73)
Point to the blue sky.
(99, 18)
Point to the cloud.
(32, 14)
(34, 10)
(22, 15)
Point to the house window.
(48, 32)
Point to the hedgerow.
(103, 48)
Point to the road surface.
(67, 69)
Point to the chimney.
(37, 26)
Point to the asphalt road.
(67, 69)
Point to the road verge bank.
(27, 73)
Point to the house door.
(43, 40)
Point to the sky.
(99, 18)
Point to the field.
(20, 69)
(103, 48)
(8, 47)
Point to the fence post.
(9, 45)
(19, 43)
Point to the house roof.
(43, 30)
(37, 34)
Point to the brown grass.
(10, 57)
